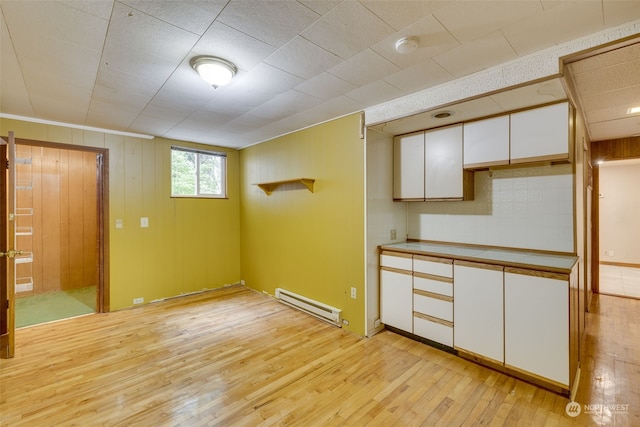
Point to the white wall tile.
(529, 208)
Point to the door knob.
(11, 254)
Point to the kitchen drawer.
(434, 307)
(397, 260)
(433, 331)
(430, 265)
(436, 286)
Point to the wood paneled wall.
(616, 149)
(63, 196)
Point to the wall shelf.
(270, 187)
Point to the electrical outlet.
(138, 300)
(393, 234)
(119, 223)
(610, 253)
(345, 322)
(353, 292)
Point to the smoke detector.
(406, 45)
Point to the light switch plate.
(144, 222)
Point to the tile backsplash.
(529, 207)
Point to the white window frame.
(223, 179)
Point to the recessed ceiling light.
(215, 71)
(406, 45)
(633, 110)
(442, 114)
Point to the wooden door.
(7, 249)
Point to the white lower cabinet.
(536, 310)
(478, 310)
(433, 330)
(510, 318)
(396, 299)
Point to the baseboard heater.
(321, 311)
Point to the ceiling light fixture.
(633, 110)
(442, 114)
(406, 45)
(215, 71)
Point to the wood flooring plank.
(236, 357)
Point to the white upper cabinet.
(486, 142)
(408, 167)
(428, 166)
(541, 134)
(443, 163)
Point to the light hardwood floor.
(235, 357)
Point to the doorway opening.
(59, 222)
(619, 228)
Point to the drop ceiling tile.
(273, 22)
(193, 16)
(14, 98)
(399, 13)
(102, 114)
(617, 12)
(302, 58)
(36, 25)
(267, 80)
(609, 78)
(418, 77)
(187, 89)
(320, 6)
(594, 63)
(364, 68)
(612, 112)
(618, 101)
(284, 105)
(348, 29)
(471, 20)
(476, 55)
(526, 96)
(62, 106)
(157, 119)
(432, 40)
(99, 8)
(247, 121)
(374, 93)
(241, 49)
(565, 21)
(325, 86)
(144, 40)
(621, 128)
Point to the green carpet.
(43, 308)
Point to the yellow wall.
(311, 244)
(190, 244)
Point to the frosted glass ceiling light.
(215, 71)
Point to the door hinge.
(7, 163)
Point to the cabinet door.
(540, 134)
(396, 299)
(408, 167)
(478, 310)
(486, 142)
(443, 178)
(536, 324)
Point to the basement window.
(198, 173)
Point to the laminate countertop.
(508, 258)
